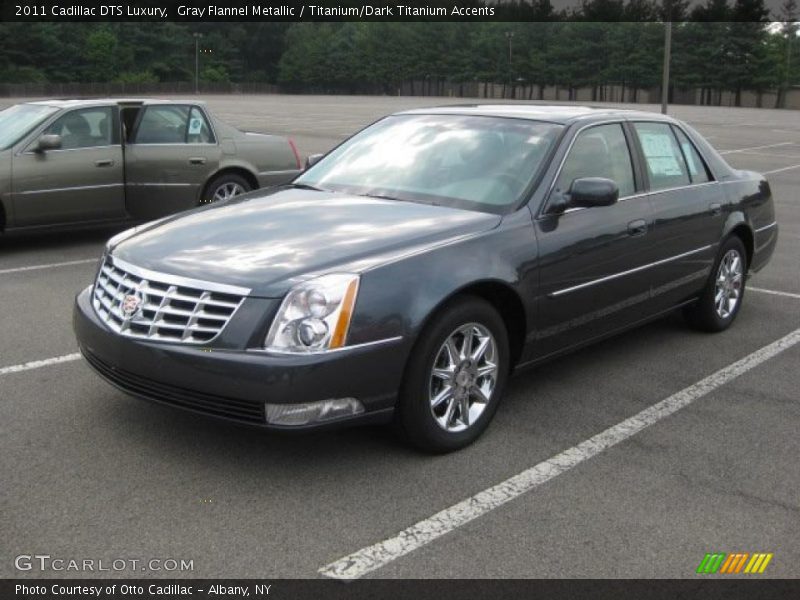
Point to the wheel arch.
(738, 225)
(746, 235)
(244, 172)
(504, 298)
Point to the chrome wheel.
(728, 287)
(463, 377)
(226, 191)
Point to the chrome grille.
(155, 306)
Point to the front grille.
(156, 306)
(210, 404)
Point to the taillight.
(296, 154)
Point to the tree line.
(728, 45)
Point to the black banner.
(381, 589)
(357, 10)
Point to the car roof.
(78, 102)
(554, 113)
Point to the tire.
(723, 294)
(445, 428)
(225, 187)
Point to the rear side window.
(665, 164)
(600, 151)
(697, 168)
(171, 124)
(198, 131)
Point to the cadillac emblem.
(131, 304)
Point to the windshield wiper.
(386, 197)
(305, 186)
(382, 197)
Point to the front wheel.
(722, 297)
(455, 377)
(225, 187)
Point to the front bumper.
(234, 384)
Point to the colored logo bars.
(720, 562)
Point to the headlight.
(315, 315)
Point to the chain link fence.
(93, 90)
(437, 88)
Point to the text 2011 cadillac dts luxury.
(403, 276)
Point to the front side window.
(471, 162)
(18, 121)
(665, 165)
(600, 151)
(84, 128)
(171, 124)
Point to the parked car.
(76, 162)
(408, 272)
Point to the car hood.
(268, 242)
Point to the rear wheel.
(455, 377)
(225, 187)
(722, 297)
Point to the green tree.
(103, 55)
(783, 50)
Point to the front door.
(81, 181)
(172, 154)
(593, 261)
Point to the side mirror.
(47, 142)
(313, 159)
(593, 191)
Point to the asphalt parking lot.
(89, 473)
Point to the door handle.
(715, 208)
(197, 160)
(106, 162)
(638, 227)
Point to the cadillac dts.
(403, 276)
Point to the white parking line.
(773, 292)
(754, 153)
(779, 170)
(734, 151)
(49, 265)
(378, 555)
(35, 364)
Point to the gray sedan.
(406, 274)
(78, 162)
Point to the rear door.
(81, 181)
(172, 153)
(593, 277)
(687, 206)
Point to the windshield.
(19, 120)
(477, 163)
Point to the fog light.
(312, 412)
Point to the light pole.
(790, 34)
(665, 72)
(197, 37)
(510, 37)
